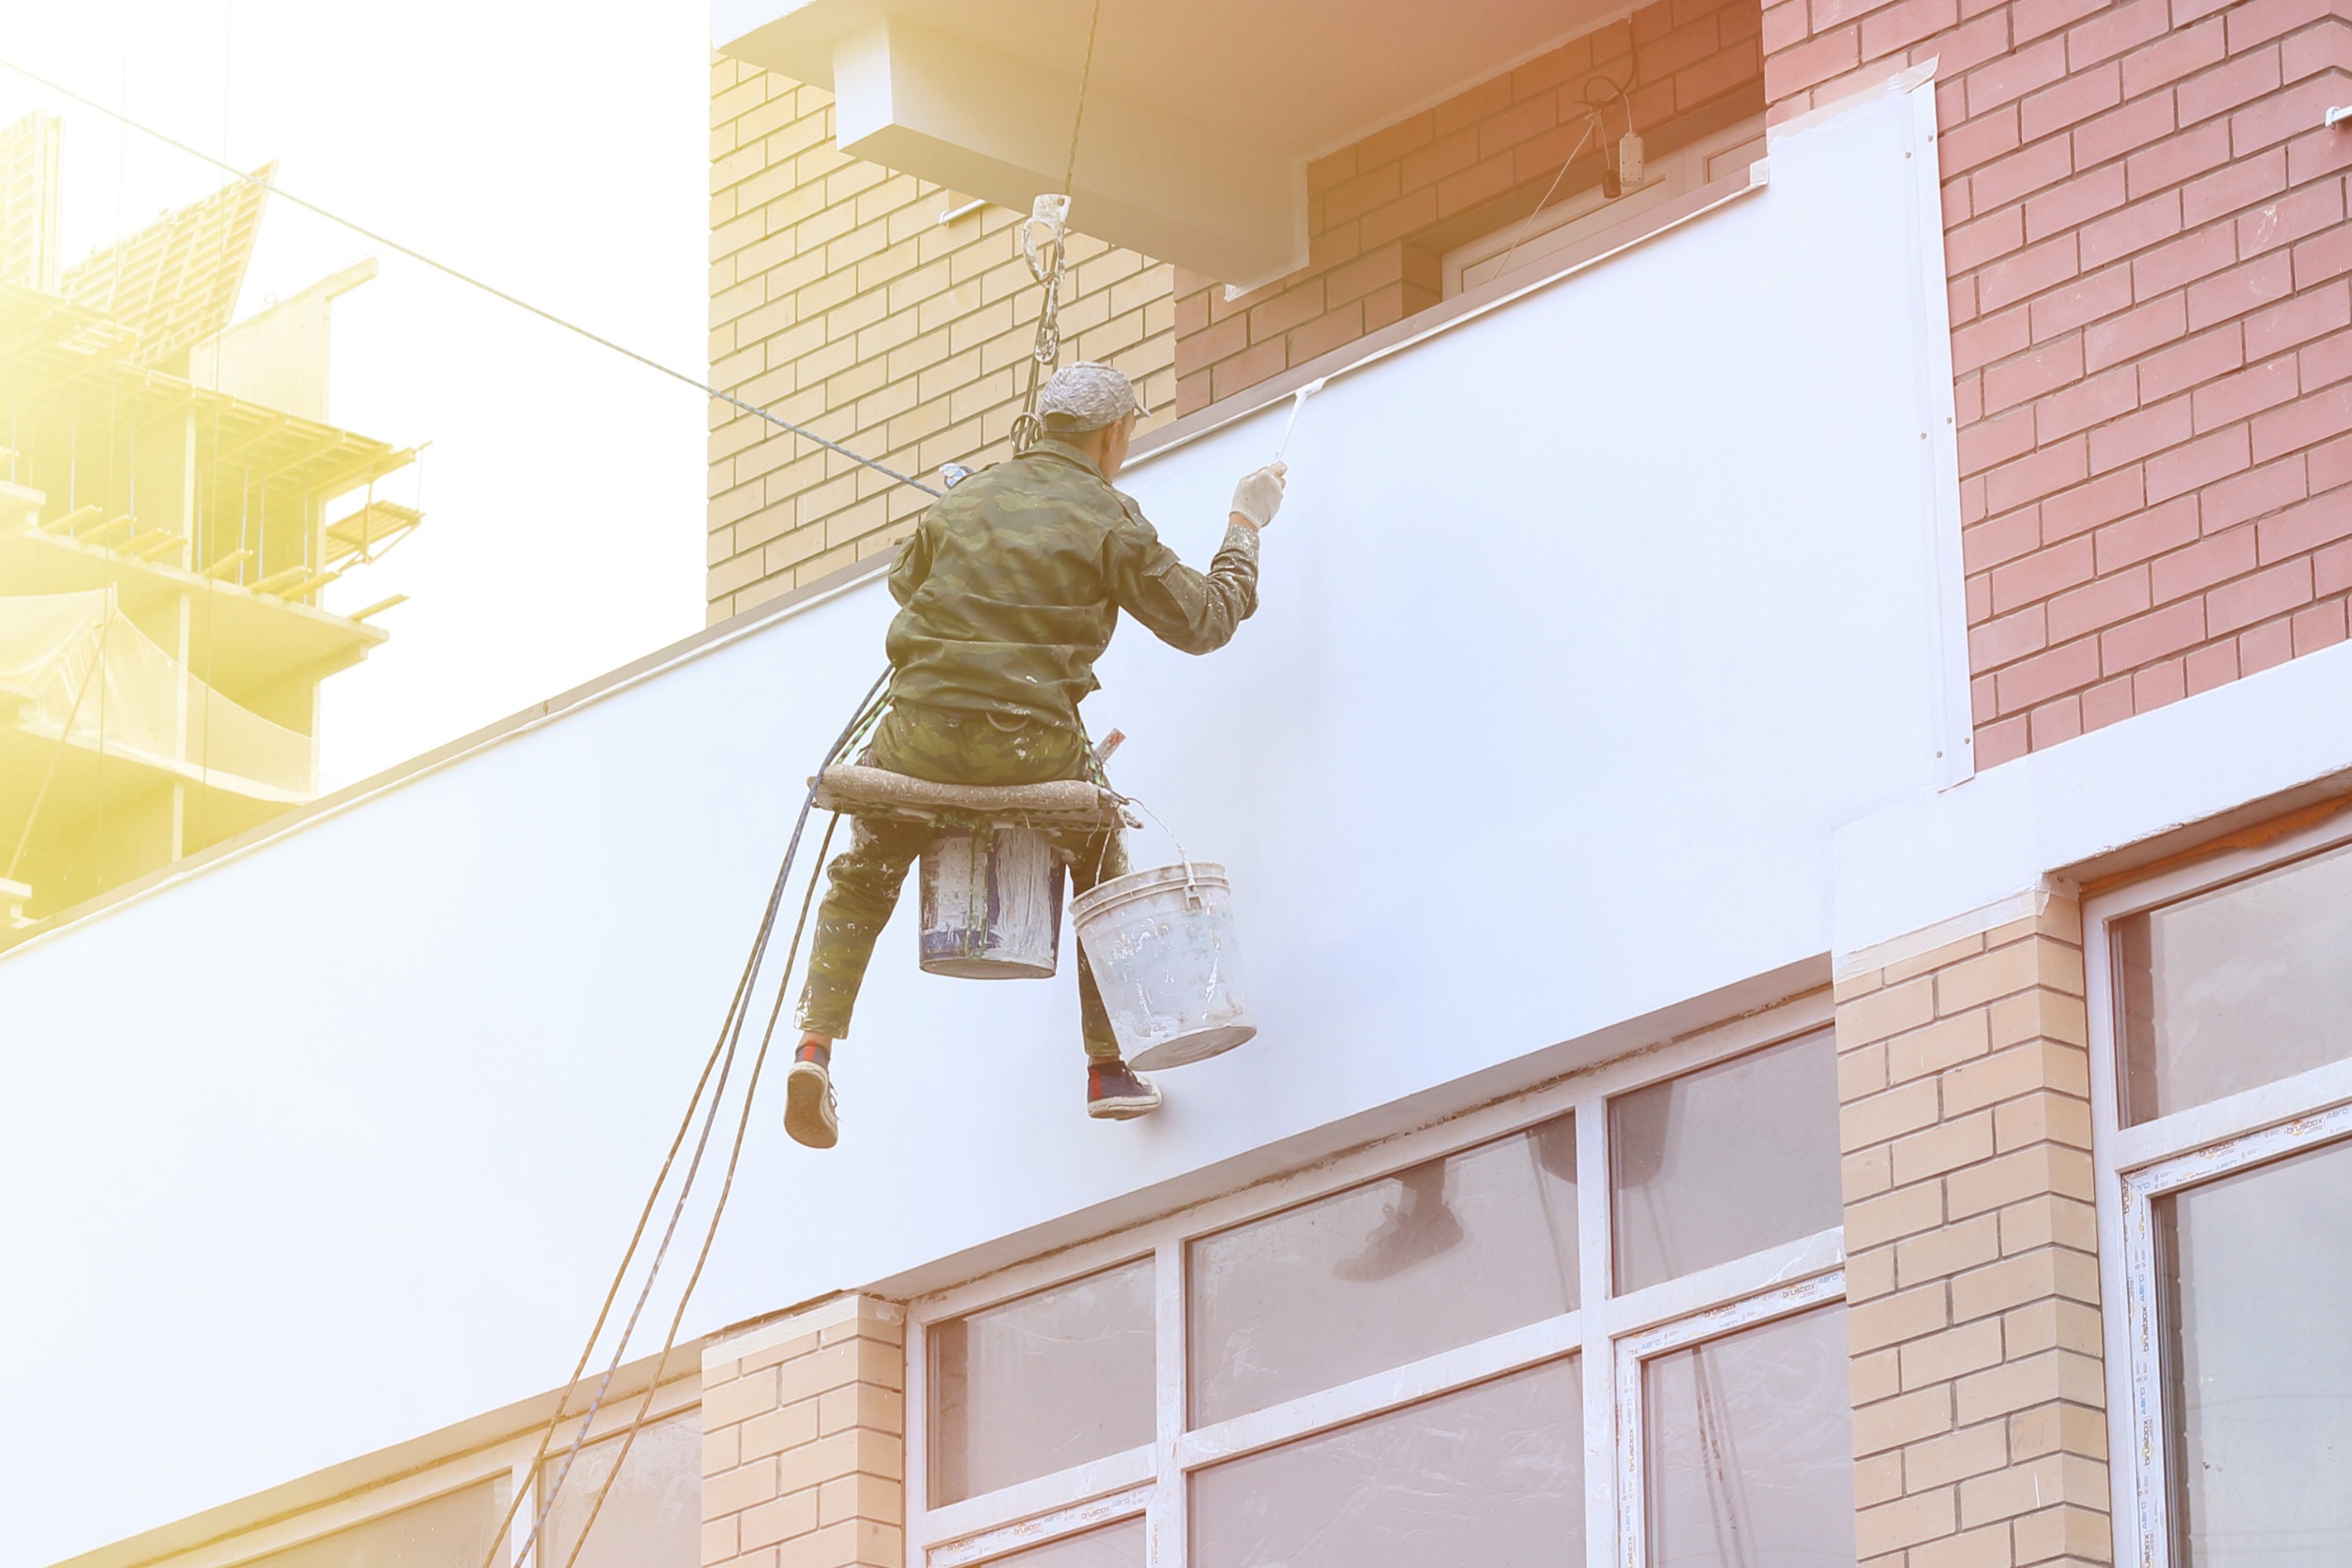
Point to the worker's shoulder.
(1130, 509)
(1036, 482)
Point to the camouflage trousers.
(863, 880)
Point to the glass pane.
(2236, 987)
(1491, 1476)
(1441, 1255)
(1748, 1448)
(2259, 1268)
(452, 1531)
(1042, 1384)
(1721, 1163)
(1118, 1545)
(653, 1516)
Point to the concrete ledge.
(2096, 806)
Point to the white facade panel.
(1587, 624)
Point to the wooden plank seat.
(863, 791)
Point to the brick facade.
(1382, 212)
(804, 1440)
(1980, 1434)
(840, 302)
(2153, 332)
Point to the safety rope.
(726, 1187)
(468, 279)
(721, 1061)
(1527, 226)
(1047, 258)
(203, 528)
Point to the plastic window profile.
(285, 1521)
(1635, 1351)
(2135, 1166)
(1610, 1335)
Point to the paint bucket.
(1168, 963)
(991, 905)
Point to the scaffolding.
(173, 503)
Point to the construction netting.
(88, 674)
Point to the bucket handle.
(1192, 882)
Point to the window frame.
(505, 1460)
(1611, 1336)
(2131, 1167)
(1561, 237)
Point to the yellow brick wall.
(1980, 1433)
(804, 1440)
(839, 302)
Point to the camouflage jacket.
(1013, 584)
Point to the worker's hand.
(1259, 497)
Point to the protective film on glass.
(1441, 1255)
(1118, 1545)
(653, 1516)
(1748, 1449)
(1724, 1162)
(452, 1531)
(2239, 987)
(1492, 1476)
(2257, 1268)
(1042, 1384)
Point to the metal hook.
(1052, 213)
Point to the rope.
(469, 281)
(1027, 426)
(727, 1185)
(1574, 152)
(1086, 75)
(203, 529)
(722, 1060)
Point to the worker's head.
(1093, 408)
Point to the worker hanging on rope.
(1009, 591)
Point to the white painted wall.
(1585, 627)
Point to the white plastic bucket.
(1168, 963)
(991, 905)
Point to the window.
(452, 1531)
(653, 1516)
(1583, 223)
(446, 1514)
(1042, 1384)
(1603, 1323)
(2223, 1154)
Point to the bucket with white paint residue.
(991, 905)
(1168, 963)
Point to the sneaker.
(1115, 1093)
(809, 1115)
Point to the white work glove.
(1259, 497)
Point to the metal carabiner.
(1051, 213)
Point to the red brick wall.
(1382, 212)
(2151, 332)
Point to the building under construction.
(172, 503)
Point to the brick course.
(838, 302)
(1382, 211)
(804, 1440)
(1972, 1277)
(2152, 333)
